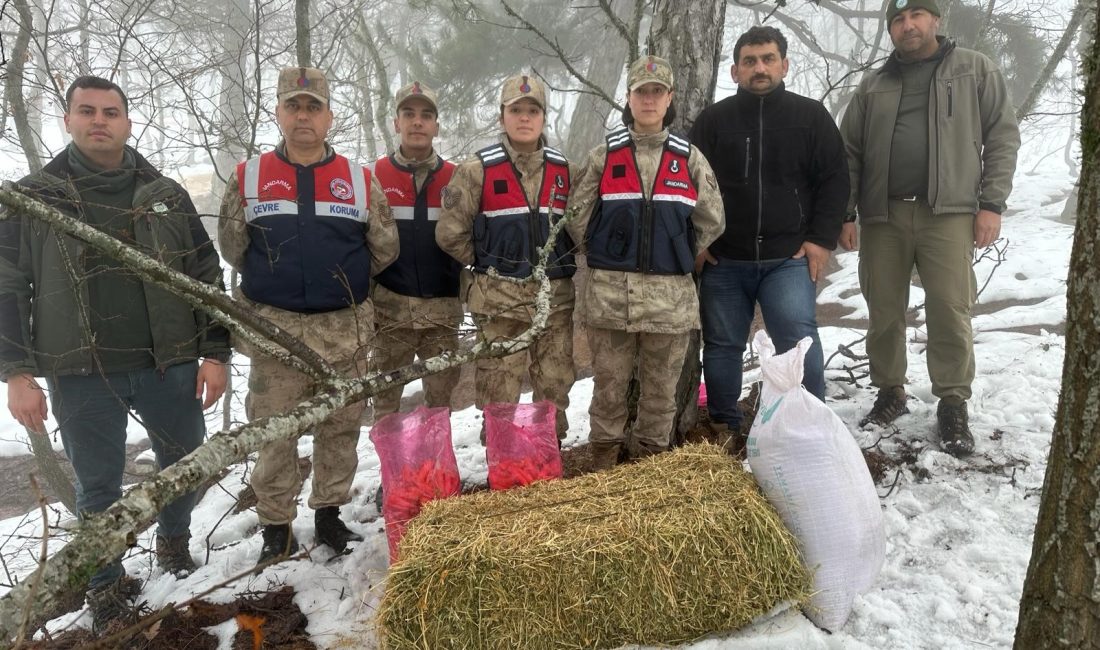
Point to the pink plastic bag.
(418, 465)
(521, 444)
(702, 395)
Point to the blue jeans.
(728, 295)
(93, 410)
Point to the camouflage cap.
(897, 6)
(303, 81)
(649, 69)
(417, 90)
(519, 86)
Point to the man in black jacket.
(781, 166)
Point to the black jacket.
(782, 170)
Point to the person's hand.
(816, 256)
(27, 403)
(987, 228)
(213, 376)
(849, 237)
(704, 257)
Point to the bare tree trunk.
(301, 29)
(689, 35)
(17, 67)
(589, 121)
(1082, 8)
(382, 111)
(1060, 606)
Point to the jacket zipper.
(950, 100)
(801, 214)
(760, 183)
(748, 142)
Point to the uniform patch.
(901, 4)
(341, 189)
(618, 171)
(674, 166)
(500, 186)
(680, 184)
(450, 198)
(559, 181)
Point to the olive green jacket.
(43, 323)
(973, 137)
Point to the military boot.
(174, 555)
(605, 455)
(953, 421)
(889, 406)
(332, 531)
(279, 542)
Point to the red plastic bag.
(418, 465)
(521, 444)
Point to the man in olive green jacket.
(106, 341)
(932, 143)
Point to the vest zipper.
(533, 226)
(644, 252)
(420, 218)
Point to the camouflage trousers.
(550, 367)
(660, 360)
(396, 345)
(272, 389)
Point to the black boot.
(174, 555)
(112, 603)
(278, 542)
(331, 531)
(953, 421)
(889, 406)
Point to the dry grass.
(658, 552)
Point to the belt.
(908, 198)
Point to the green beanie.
(897, 6)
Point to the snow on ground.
(958, 531)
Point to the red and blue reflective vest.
(421, 269)
(627, 232)
(507, 230)
(307, 225)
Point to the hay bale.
(659, 552)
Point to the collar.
(894, 63)
(280, 151)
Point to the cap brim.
(516, 99)
(643, 82)
(299, 93)
(422, 98)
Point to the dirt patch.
(264, 619)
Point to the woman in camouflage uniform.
(647, 203)
(496, 213)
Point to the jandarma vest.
(307, 248)
(422, 269)
(629, 233)
(507, 231)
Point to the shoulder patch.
(679, 145)
(618, 138)
(554, 155)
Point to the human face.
(417, 124)
(913, 32)
(523, 121)
(99, 125)
(304, 121)
(760, 68)
(648, 104)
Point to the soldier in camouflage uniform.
(647, 203)
(306, 228)
(416, 299)
(495, 211)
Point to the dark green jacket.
(973, 137)
(43, 325)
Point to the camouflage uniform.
(501, 308)
(342, 337)
(640, 315)
(408, 327)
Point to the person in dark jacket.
(781, 167)
(106, 341)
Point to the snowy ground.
(958, 531)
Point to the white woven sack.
(812, 471)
